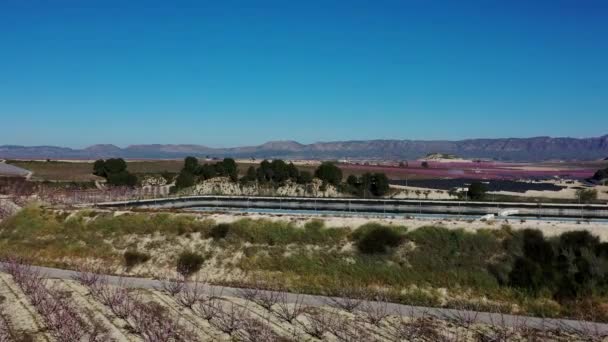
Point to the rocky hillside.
(519, 149)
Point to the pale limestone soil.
(201, 327)
(21, 315)
(83, 299)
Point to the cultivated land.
(100, 308)
(537, 268)
(437, 265)
(81, 170)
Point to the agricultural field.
(82, 170)
(433, 266)
(486, 170)
(90, 307)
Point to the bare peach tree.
(374, 312)
(190, 295)
(149, 320)
(230, 320)
(173, 286)
(317, 323)
(154, 324)
(256, 330)
(404, 326)
(288, 312)
(61, 317)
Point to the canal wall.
(583, 211)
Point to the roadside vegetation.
(507, 270)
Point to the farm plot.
(492, 185)
(471, 170)
(89, 308)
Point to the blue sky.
(229, 73)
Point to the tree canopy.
(115, 172)
(328, 172)
(477, 191)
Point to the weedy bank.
(489, 269)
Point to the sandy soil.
(22, 316)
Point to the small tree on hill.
(477, 191)
(191, 165)
(185, 179)
(329, 173)
(304, 177)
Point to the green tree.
(379, 186)
(228, 168)
(293, 171)
(280, 170)
(115, 165)
(477, 191)
(185, 179)
(191, 165)
(304, 177)
(207, 171)
(250, 176)
(329, 173)
(99, 168)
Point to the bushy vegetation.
(193, 171)
(134, 258)
(374, 238)
(189, 262)
(477, 191)
(575, 265)
(586, 195)
(368, 185)
(276, 172)
(329, 173)
(115, 172)
(555, 274)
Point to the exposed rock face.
(223, 186)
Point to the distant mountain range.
(515, 149)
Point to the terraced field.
(91, 308)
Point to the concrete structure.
(582, 211)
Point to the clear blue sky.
(228, 73)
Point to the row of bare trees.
(63, 320)
(151, 321)
(263, 315)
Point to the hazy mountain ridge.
(523, 149)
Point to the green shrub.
(134, 258)
(189, 262)
(220, 231)
(378, 240)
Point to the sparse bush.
(378, 239)
(134, 258)
(220, 231)
(189, 263)
(586, 195)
